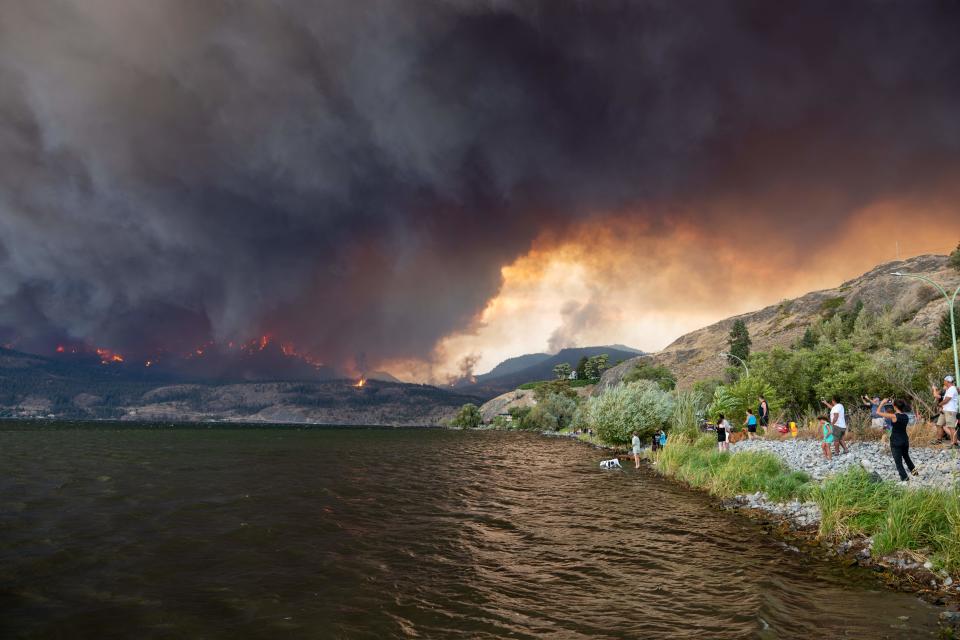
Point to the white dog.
(610, 464)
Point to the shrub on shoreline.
(639, 406)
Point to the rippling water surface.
(352, 533)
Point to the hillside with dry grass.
(694, 357)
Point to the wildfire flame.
(108, 357)
(362, 381)
(206, 349)
(62, 349)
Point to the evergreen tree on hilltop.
(809, 340)
(739, 342)
(942, 338)
(954, 260)
(582, 368)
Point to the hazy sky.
(413, 184)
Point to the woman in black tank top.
(899, 440)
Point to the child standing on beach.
(751, 424)
(826, 428)
(723, 431)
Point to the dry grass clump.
(922, 433)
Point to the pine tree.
(582, 368)
(562, 371)
(942, 339)
(739, 342)
(849, 318)
(954, 260)
(808, 341)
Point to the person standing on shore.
(838, 418)
(723, 431)
(899, 440)
(942, 435)
(948, 410)
(826, 431)
(763, 414)
(751, 424)
(635, 441)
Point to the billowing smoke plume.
(351, 176)
(465, 369)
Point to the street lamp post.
(951, 300)
(724, 354)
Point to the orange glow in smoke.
(362, 381)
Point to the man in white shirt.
(948, 410)
(838, 417)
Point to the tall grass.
(925, 521)
(697, 462)
(853, 503)
(686, 411)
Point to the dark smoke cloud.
(351, 176)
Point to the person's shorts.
(636, 451)
(752, 428)
(947, 419)
(838, 433)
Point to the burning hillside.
(261, 358)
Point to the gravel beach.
(937, 467)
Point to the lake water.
(121, 532)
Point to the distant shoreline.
(201, 424)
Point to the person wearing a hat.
(948, 410)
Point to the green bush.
(553, 387)
(733, 400)
(554, 412)
(639, 406)
(538, 419)
(519, 417)
(655, 373)
(468, 417)
(500, 422)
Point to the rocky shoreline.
(938, 468)
(800, 521)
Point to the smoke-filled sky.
(409, 184)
